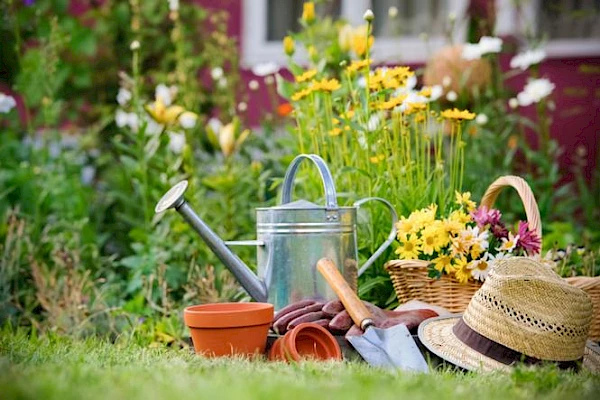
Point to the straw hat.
(523, 312)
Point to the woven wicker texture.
(524, 306)
(411, 281)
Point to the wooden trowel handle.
(357, 310)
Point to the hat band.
(497, 351)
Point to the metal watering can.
(291, 238)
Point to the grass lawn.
(61, 368)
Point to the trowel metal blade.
(392, 347)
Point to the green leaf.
(285, 88)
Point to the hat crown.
(527, 307)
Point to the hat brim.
(437, 336)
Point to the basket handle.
(520, 185)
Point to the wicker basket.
(411, 281)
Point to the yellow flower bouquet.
(466, 242)
(444, 258)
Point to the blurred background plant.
(111, 112)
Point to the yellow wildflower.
(425, 216)
(459, 216)
(360, 42)
(455, 113)
(464, 199)
(430, 240)
(401, 72)
(288, 45)
(347, 115)
(406, 226)
(476, 251)
(162, 114)
(415, 107)
(409, 248)
(377, 159)
(335, 132)
(452, 226)
(391, 103)
(299, 95)
(357, 65)
(420, 117)
(308, 12)
(443, 263)
(326, 85)
(425, 92)
(306, 75)
(462, 272)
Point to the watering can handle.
(391, 237)
(288, 180)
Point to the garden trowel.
(392, 347)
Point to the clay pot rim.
(318, 334)
(228, 315)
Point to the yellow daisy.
(326, 85)
(456, 114)
(443, 263)
(357, 65)
(430, 240)
(377, 159)
(306, 76)
(464, 199)
(409, 248)
(462, 272)
(299, 95)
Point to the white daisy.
(527, 58)
(534, 91)
(509, 244)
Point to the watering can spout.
(249, 281)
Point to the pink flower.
(499, 231)
(529, 241)
(484, 216)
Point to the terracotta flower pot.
(226, 329)
(306, 341)
(277, 352)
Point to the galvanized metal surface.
(392, 347)
(291, 238)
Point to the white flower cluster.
(528, 58)
(486, 45)
(7, 103)
(173, 5)
(265, 69)
(165, 94)
(534, 91)
(414, 96)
